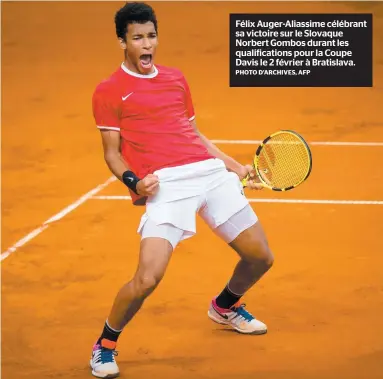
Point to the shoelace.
(241, 311)
(107, 355)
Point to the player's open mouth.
(146, 60)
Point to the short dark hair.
(133, 12)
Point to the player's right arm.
(111, 145)
(112, 155)
(106, 113)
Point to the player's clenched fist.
(148, 186)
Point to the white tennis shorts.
(205, 188)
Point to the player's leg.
(244, 233)
(154, 257)
(157, 244)
(236, 223)
(252, 247)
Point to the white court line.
(56, 217)
(313, 143)
(287, 201)
(91, 193)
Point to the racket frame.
(258, 152)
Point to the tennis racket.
(282, 161)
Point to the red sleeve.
(189, 101)
(106, 104)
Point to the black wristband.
(130, 180)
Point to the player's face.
(140, 47)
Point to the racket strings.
(283, 161)
(289, 169)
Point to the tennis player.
(151, 143)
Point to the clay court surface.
(322, 301)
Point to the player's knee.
(268, 258)
(146, 283)
(261, 254)
(266, 255)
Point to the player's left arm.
(231, 164)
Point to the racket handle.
(244, 182)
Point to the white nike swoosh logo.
(125, 97)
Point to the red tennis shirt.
(152, 113)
